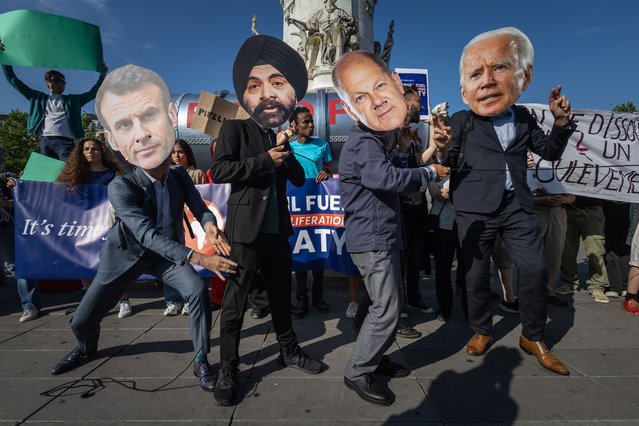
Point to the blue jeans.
(171, 295)
(29, 296)
(56, 148)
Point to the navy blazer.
(479, 186)
(241, 159)
(134, 233)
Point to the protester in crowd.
(182, 155)
(370, 186)
(314, 155)
(488, 148)
(445, 248)
(631, 301)
(407, 152)
(134, 106)
(617, 214)
(585, 220)
(27, 289)
(91, 162)
(57, 118)
(269, 77)
(550, 199)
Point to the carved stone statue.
(254, 25)
(326, 35)
(287, 9)
(385, 54)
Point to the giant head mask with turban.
(269, 77)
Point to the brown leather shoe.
(546, 358)
(479, 344)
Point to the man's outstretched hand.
(217, 239)
(215, 263)
(559, 107)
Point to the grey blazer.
(134, 232)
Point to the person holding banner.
(370, 186)
(134, 105)
(57, 118)
(314, 155)
(488, 147)
(91, 162)
(269, 77)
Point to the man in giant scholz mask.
(269, 78)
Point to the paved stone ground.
(143, 373)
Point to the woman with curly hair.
(182, 155)
(91, 162)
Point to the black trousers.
(413, 220)
(445, 246)
(520, 232)
(271, 255)
(301, 278)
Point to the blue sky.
(588, 46)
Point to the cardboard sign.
(36, 39)
(212, 111)
(41, 168)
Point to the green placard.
(42, 168)
(36, 39)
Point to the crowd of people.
(470, 193)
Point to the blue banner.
(317, 216)
(59, 234)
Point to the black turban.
(263, 49)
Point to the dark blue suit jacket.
(479, 186)
(134, 233)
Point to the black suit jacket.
(241, 160)
(134, 233)
(479, 186)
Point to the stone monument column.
(323, 30)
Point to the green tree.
(627, 107)
(15, 141)
(87, 120)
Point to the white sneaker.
(29, 314)
(612, 293)
(125, 309)
(599, 296)
(623, 293)
(185, 309)
(172, 309)
(351, 310)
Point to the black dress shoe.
(226, 389)
(301, 361)
(320, 304)
(205, 373)
(72, 360)
(390, 369)
(370, 391)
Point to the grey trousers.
(105, 292)
(382, 278)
